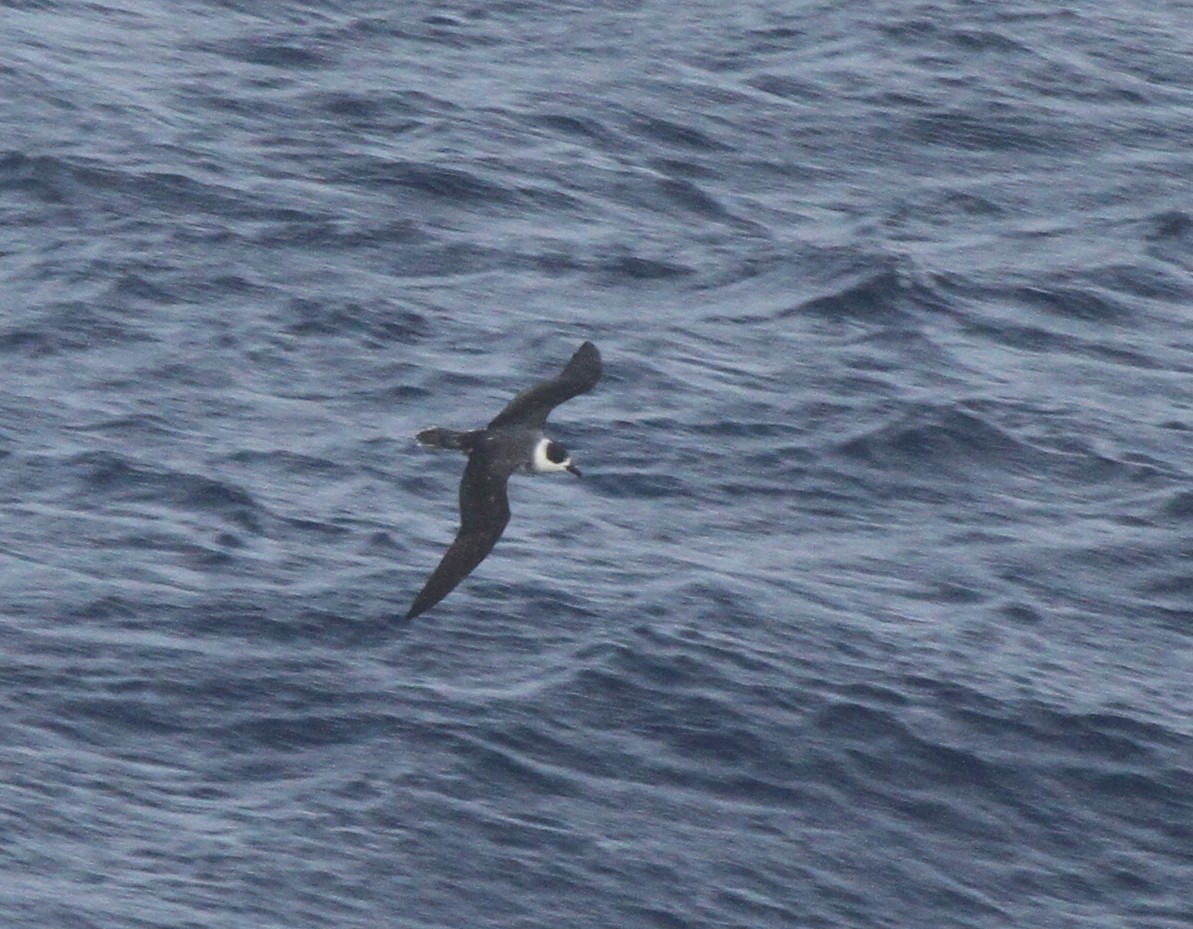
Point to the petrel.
(513, 441)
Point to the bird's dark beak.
(574, 470)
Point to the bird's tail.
(449, 439)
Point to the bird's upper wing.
(532, 406)
(484, 513)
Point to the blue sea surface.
(874, 607)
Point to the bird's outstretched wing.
(484, 513)
(532, 406)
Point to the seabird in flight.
(513, 441)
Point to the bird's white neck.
(541, 462)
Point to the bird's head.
(551, 456)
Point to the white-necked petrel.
(513, 441)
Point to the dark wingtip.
(585, 364)
(419, 606)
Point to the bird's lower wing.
(465, 553)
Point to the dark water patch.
(452, 259)
(1153, 798)
(108, 477)
(636, 485)
(688, 196)
(98, 190)
(271, 732)
(831, 283)
(1023, 613)
(130, 286)
(630, 268)
(192, 555)
(284, 462)
(1077, 303)
(1177, 584)
(1027, 338)
(272, 52)
(378, 325)
(403, 233)
(1180, 504)
(72, 327)
(968, 39)
(1170, 238)
(948, 208)
(893, 758)
(359, 109)
(106, 717)
(449, 32)
(1149, 282)
(674, 133)
(698, 741)
(578, 125)
(169, 191)
(924, 441)
(1174, 224)
(140, 426)
(869, 297)
(855, 722)
(40, 176)
(1107, 735)
(1055, 735)
(687, 169)
(787, 88)
(513, 767)
(437, 183)
(712, 598)
(993, 132)
(977, 438)
(779, 434)
(971, 204)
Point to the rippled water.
(874, 607)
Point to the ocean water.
(874, 607)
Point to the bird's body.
(512, 442)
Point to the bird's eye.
(556, 453)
